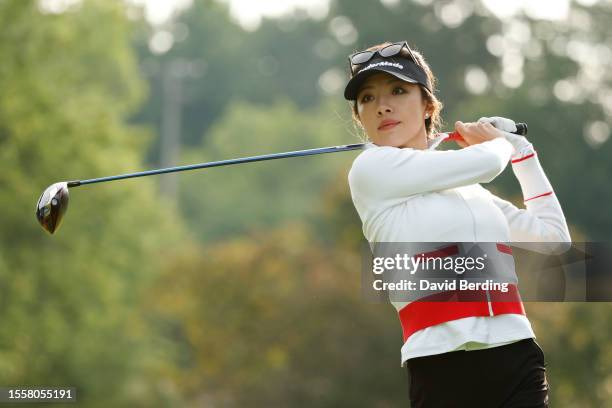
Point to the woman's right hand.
(475, 133)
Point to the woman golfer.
(458, 354)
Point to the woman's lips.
(389, 126)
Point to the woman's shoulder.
(379, 157)
(371, 156)
(377, 163)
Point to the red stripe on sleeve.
(538, 196)
(523, 158)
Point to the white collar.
(432, 144)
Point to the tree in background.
(68, 81)
(227, 202)
(274, 318)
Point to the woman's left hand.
(521, 145)
(475, 133)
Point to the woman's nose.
(383, 108)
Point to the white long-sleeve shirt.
(411, 195)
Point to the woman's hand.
(475, 133)
(521, 145)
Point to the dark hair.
(434, 122)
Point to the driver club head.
(52, 205)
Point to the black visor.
(402, 68)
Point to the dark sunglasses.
(390, 50)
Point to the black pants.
(510, 376)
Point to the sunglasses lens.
(391, 50)
(361, 57)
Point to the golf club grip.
(521, 129)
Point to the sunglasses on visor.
(387, 51)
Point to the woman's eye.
(366, 98)
(398, 90)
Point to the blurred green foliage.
(246, 290)
(275, 319)
(68, 301)
(269, 193)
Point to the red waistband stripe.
(453, 305)
(440, 253)
(506, 249)
(454, 250)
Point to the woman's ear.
(428, 109)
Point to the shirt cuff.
(531, 176)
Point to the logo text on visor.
(383, 63)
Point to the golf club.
(53, 202)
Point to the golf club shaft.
(521, 130)
(297, 153)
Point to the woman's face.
(392, 112)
